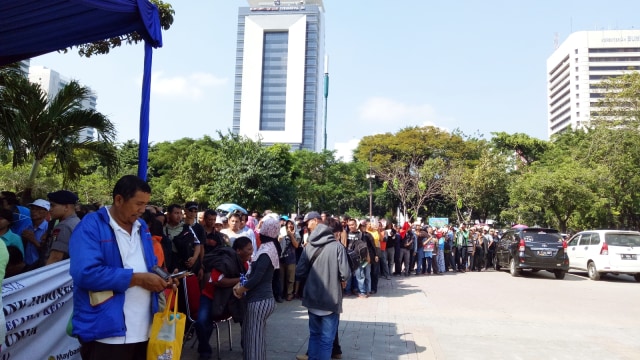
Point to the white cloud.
(344, 150)
(192, 86)
(379, 115)
(381, 112)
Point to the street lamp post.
(370, 177)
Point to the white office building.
(279, 73)
(51, 82)
(581, 61)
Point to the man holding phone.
(115, 290)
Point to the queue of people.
(245, 264)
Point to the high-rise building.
(279, 73)
(51, 82)
(578, 65)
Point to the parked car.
(534, 249)
(605, 251)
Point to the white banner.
(37, 306)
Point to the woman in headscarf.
(258, 292)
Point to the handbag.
(167, 332)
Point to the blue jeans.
(420, 257)
(363, 276)
(204, 326)
(322, 331)
(351, 284)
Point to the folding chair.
(192, 292)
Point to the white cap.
(42, 203)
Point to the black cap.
(191, 205)
(63, 197)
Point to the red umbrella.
(519, 226)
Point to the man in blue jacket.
(115, 293)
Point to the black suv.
(532, 248)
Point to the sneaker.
(302, 357)
(336, 356)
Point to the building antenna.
(326, 96)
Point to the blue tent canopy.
(29, 28)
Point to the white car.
(605, 251)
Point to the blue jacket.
(96, 265)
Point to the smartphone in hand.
(161, 272)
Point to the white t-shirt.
(136, 299)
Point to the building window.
(274, 81)
(577, 96)
(577, 87)
(576, 77)
(577, 113)
(576, 51)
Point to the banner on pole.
(438, 222)
(37, 306)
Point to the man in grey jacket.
(323, 287)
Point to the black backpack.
(357, 253)
(184, 246)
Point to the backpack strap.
(315, 256)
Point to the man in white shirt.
(115, 292)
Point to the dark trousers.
(276, 286)
(489, 259)
(413, 257)
(375, 275)
(94, 350)
(461, 257)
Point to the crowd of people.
(245, 263)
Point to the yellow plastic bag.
(167, 332)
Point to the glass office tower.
(279, 73)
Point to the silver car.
(605, 251)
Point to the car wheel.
(637, 277)
(559, 274)
(593, 272)
(513, 270)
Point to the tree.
(412, 162)
(36, 127)
(526, 148)
(323, 183)
(559, 189)
(621, 101)
(104, 46)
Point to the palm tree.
(36, 127)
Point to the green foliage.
(104, 46)
(36, 127)
(526, 148)
(324, 184)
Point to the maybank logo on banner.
(37, 306)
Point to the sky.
(477, 66)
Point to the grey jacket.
(323, 290)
